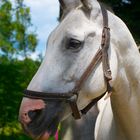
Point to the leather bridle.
(72, 96)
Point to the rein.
(72, 96)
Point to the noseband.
(72, 96)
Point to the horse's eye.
(74, 45)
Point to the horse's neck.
(125, 100)
(125, 103)
(119, 116)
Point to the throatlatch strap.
(105, 46)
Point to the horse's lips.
(45, 136)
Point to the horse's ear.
(66, 6)
(87, 7)
(69, 4)
(87, 4)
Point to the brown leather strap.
(96, 60)
(47, 96)
(91, 104)
(72, 101)
(105, 46)
(105, 16)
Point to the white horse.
(71, 48)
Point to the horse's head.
(71, 48)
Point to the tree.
(13, 81)
(15, 35)
(6, 28)
(16, 39)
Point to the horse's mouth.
(42, 131)
(45, 122)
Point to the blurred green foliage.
(16, 37)
(14, 78)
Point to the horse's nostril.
(24, 118)
(33, 114)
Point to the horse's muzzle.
(39, 119)
(29, 110)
